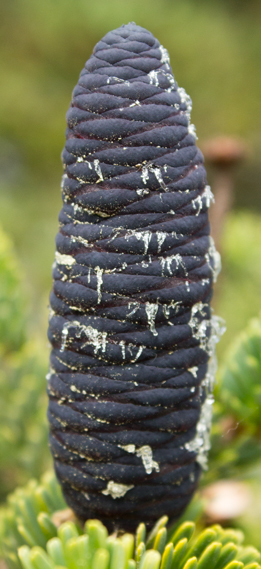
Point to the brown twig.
(223, 154)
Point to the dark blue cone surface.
(130, 324)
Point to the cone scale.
(131, 328)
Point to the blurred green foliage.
(23, 425)
(237, 294)
(23, 428)
(30, 539)
(12, 313)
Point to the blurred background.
(215, 52)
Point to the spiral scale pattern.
(130, 325)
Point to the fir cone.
(130, 324)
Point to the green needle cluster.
(240, 388)
(31, 540)
(238, 400)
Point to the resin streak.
(130, 324)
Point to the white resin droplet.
(81, 159)
(171, 81)
(167, 262)
(199, 327)
(144, 174)
(145, 453)
(164, 55)
(133, 307)
(213, 254)
(49, 374)
(51, 313)
(80, 239)
(166, 310)
(123, 349)
(201, 442)
(192, 131)
(207, 195)
(63, 181)
(99, 273)
(67, 260)
(144, 236)
(116, 490)
(161, 236)
(218, 328)
(157, 173)
(153, 77)
(158, 176)
(142, 191)
(117, 80)
(98, 171)
(167, 307)
(135, 104)
(95, 338)
(138, 354)
(65, 333)
(193, 371)
(151, 311)
(128, 448)
(185, 98)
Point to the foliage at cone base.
(31, 540)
